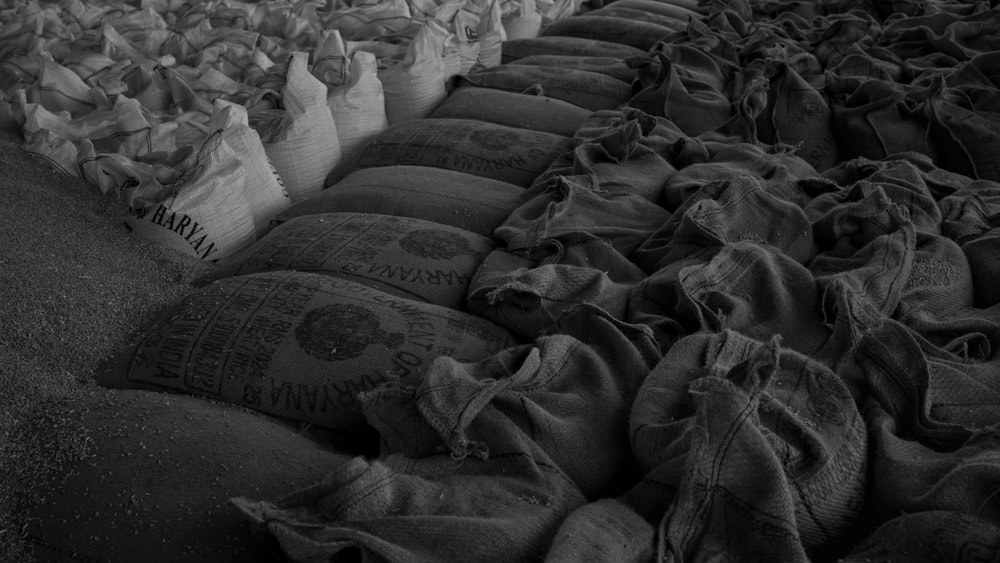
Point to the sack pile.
(652, 280)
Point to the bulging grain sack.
(874, 119)
(524, 111)
(472, 203)
(114, 472)
(482, 149)
(967, 135)
(415, 84)
(754, 431)
(679, 11)
(513, 49)
(635, 33)
(696, 105)
(203, 210)
(589, 90)
(609, 66)
(301, 140)
(524, 23)
(265, 190)
(406, 257)
(296, 345)
(358, 107)
(613, 10)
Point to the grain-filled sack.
(523, 23)
(296, 345)
(415, 83)
(589, 90)
(874, 119)
(609, 66)
(613, 10)
(488, 150)
(679, 11)
(756, 432)
(358, 107)
(576, 46)
(265, 190)
(635, 33)
(300, 139)
(116, 472)
(957, 535)
(407, 257)
(205, 212)
(524, 111)
(472, 203)
(693, 101)
(967, 133)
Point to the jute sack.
(681, 12)
(537, 112)
(694, 105)
(204, 212)
(984, 262)
(623, 158)
(529, 299)
(589, 90)
(738, 431)
(301, 140)
(635, 33)
(569, 392)
(402, 256)
(296, 345)
(487, 150)
(471, 203)
(604, 530)
(114, 472)
(875, 119)
(575, 46)
(609, 66)
(635, 14)
(967, 136)
(905, 538)
(908, 476)
(576, 204)
(797, 114)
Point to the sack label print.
(233, 346)
(181, 223)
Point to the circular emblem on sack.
(493, 140)
(435, 244)
(340, 332)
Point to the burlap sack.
(514, 49)
(609, 66)
(495, 453)
(907, 538)
(538, 112)
(732, 432)
(625, 157)
(873, 62)
(679, 11)
(937, 397)
(908, 476)
(406, 257)
(472, 203)
(529, 298)
(797, 114)
(961, 37)
(728, 212)
(623, 12)
(875, 119)
(414, 84)
(909, 180)
(694, 104)
(575, 204)
(984, 262)
(699, 162)
(840, 32)
(966, 134)
(604, 530)
(589, 90)
(570, 393)
(296, 345)
(116, 472)
(487, 150)
(358, 107)
(636, 33)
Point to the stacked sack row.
(645, 290)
